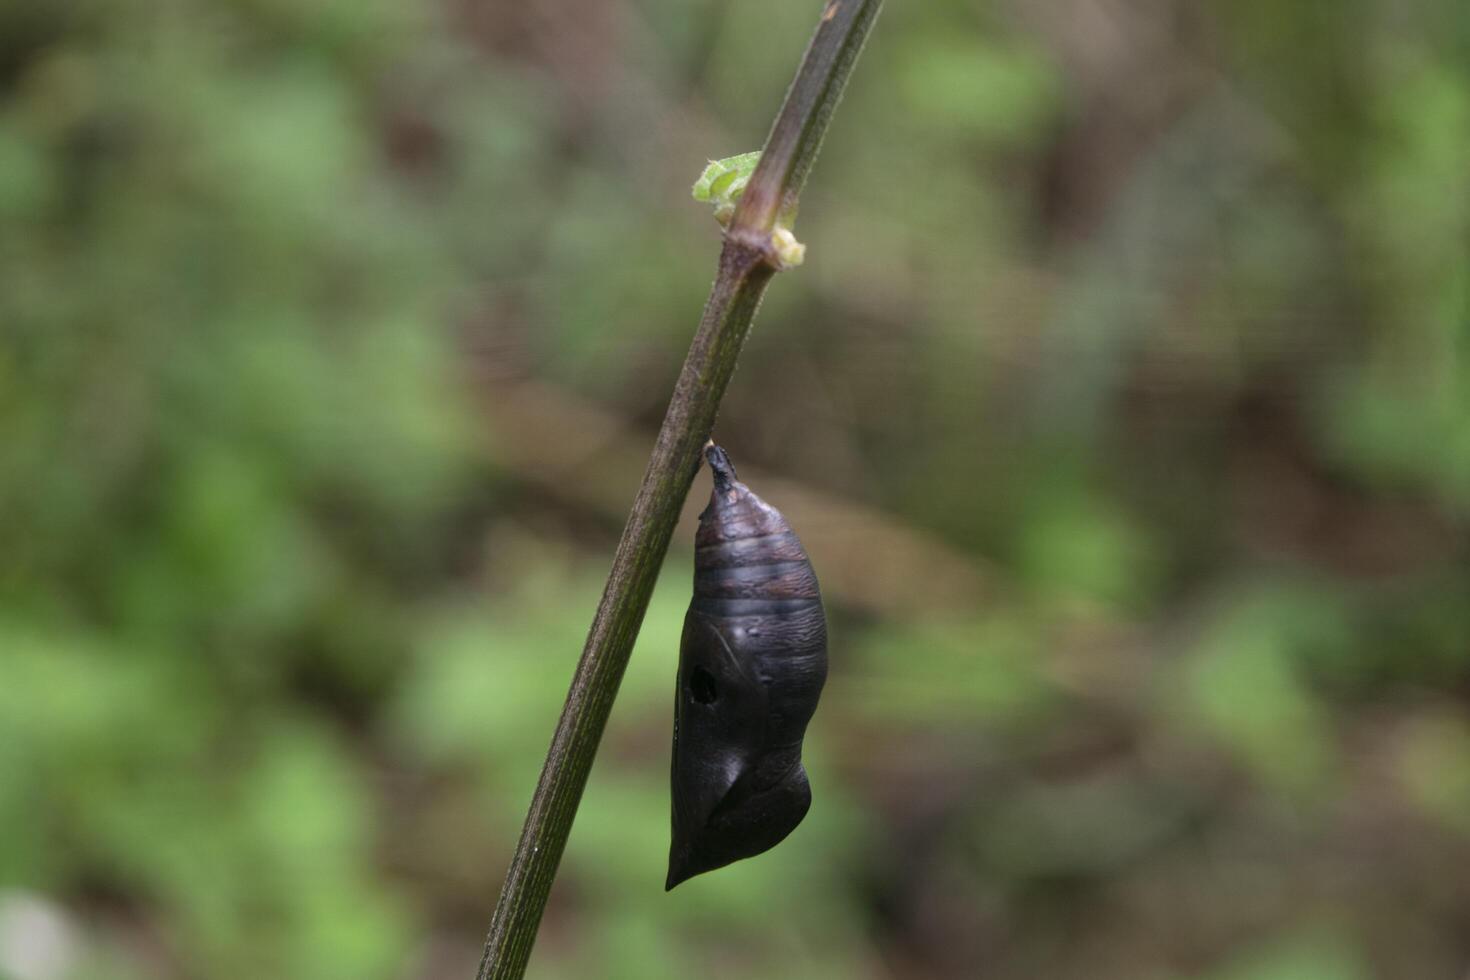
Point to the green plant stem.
(747, 263)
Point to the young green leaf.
(723, 181)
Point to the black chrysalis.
(752, 662)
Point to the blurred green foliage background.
(1123, 402)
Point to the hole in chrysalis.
(702, 686)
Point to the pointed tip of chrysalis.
(680, 869)
(685, 863)
(720, 466)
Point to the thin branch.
(747, 262)
(796, 137)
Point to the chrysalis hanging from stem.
(752, 662)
